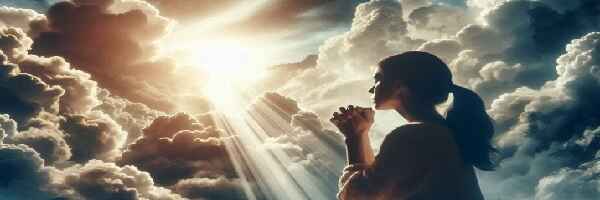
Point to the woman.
(430, 157)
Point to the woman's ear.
(399, 90)
(401, 93)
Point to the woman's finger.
(342, 110)
(334, 121)
(336, 114)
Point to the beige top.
(416, 161)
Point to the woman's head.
(410, 80)
(413, 81)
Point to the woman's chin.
(377, 106)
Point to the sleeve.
(396, 162)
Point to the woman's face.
(384, 92)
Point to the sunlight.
(275, 173)
(223, 57)
(230, 66)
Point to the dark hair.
(431, 80)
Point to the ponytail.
(472, 126)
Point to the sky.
(200, 99)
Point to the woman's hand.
(353, 121)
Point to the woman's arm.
(359, 151)
(360, 156)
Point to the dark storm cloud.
(556, 128)
(24, 175)
(533, 43)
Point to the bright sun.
(230, 66)
(223, 57)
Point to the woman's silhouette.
(432, 156)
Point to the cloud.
(377, 31)
(165, 150)
(533, 43)
(100, 180)
(80, 91)
(438, 20)
(48, 141)
(14, 42)
(24, 96)
(555, 126)
(445, 49)
(25, 176)
(210, 188)
(93, 136)
(277, 15)
(23, 173)
(20, 18)
(133, 117)
(8, 127)
(561, 185)
(280, 74)
(114, 41)
(409, 5)
(190, 10)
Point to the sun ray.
(270, 173)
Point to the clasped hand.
(353, 121)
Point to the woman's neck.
(423, 116)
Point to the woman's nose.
(372, 89)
